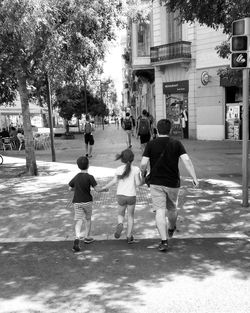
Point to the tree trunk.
(31, 165)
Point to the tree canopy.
(212, 13)
(54, 38)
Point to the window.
(143, 39)
(174, 27)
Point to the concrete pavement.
(205, 270)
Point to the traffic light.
(240, 44)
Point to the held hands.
(103, 190)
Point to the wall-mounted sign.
(181, 86)
(204, 78)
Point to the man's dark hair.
(144, 112)
(127, 114)
(164, 126)
(83, 163)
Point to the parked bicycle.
(1, 159)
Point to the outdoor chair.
(6, 143)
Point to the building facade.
(173, 73)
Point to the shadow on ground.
(109, 276)
(39, 207)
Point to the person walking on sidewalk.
(163, 154)
(128, 178)
(144, 129)
(127, 125)
(88, 137)
(82, 201)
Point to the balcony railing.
(171, 51)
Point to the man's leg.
(172, 202)
(160, 219)
(90, 150)
(159, 206)
(129, 139)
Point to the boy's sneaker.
(76, 246)
(89, 240)
(131, 239)
(171, 232)
(118, 230)
(163, 246)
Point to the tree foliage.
(70, 101)
(54, 38)
(212, 13)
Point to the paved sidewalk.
(205, 270)
(38, 207)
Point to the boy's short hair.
(83, 163)
(164, 126)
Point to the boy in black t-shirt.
(82, 201)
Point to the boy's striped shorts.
(83, 210)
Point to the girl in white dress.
(127, 177)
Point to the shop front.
(176, 99)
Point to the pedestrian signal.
(239, 60)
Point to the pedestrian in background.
(144, 129)
(127, 125)
(88, 137)
(163, 154)
(82, 201)
(127, 177)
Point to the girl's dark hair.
(127, 157)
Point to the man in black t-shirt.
(163, 154)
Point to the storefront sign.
(181, 86)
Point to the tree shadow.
(110, 276)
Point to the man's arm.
(190, 168)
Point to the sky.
(113, 66)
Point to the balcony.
(176, 52)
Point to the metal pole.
(53, 154)
(102, 102)
(85, 95)
(245, 137)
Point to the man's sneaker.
(76, 246)
(171, 232)
(131, 239)
(118, 230)
(163, 246)
(89, 240)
